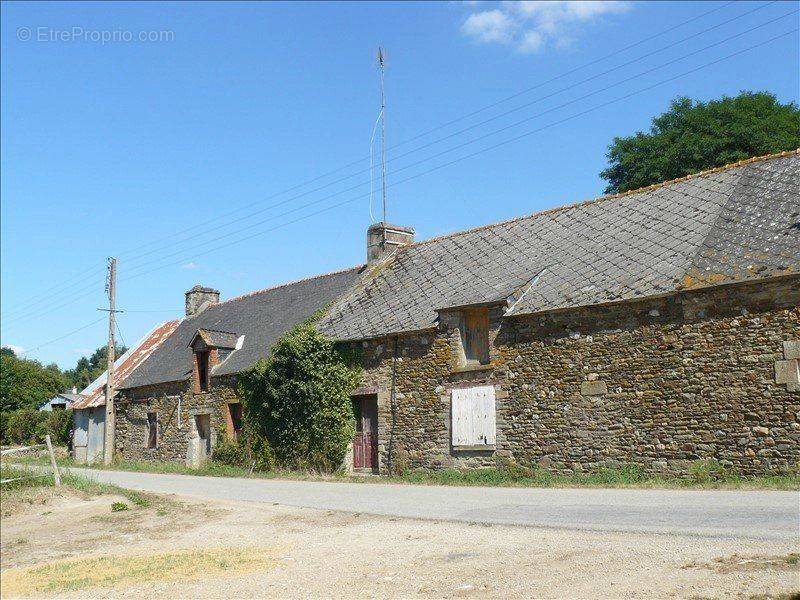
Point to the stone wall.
(658, 383)
(175, 418)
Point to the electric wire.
(463, 117)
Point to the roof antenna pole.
(382, 65)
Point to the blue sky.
(116, 145)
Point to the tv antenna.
(382, 66)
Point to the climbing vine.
(299, 399)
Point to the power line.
(489, 148)
(66, 335)
(173, 242)
(468, 142)
(476, 153)
(483, 109)
(449, 150)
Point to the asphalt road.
(714, 513)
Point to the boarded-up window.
(152, 430)
(202, 369)
(473, 416)
(475, 336)
(235, 416)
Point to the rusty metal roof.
(94, 394)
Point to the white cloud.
(533, 25)
(489, 26)
(190, 265)
(16, 349)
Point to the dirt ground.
(314, 553)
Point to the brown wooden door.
(365, 443)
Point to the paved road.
(737, 514)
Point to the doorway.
(200, 444)
(365, 443)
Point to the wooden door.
(365, 443)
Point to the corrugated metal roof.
(94, 394)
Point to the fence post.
(56, 474)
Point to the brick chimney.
(199, 298)
(383, 238)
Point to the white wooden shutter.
(473, 416)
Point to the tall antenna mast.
(382, 65)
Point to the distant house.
(62, 401)
(89, 408)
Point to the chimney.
(199, 298)
(383, 238)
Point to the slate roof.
(216, 339)
(94, 394)
(729, 224)
(261, 317)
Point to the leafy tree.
(26, 384)
(299, 400)
(88, 369)
(692, 136)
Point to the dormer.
(209, 348)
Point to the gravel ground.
(324, 553)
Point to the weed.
(119, 506)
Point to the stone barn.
(657, 328)
(175, 405)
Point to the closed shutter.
(473, 416)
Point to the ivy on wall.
(299, 399)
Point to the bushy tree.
(693, 136)
(26, 383)
(29, 426)
(88, 369)
(299, 400)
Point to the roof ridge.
(599, 199)
(216, 330)
(288, 283)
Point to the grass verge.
(703, 474)
(123, 571)
(26, 481)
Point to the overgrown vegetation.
(703, 474)
(27, 481)
(29, 426)
(693, 136)
(297, 404)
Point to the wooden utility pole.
(111, 288)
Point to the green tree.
(88, 369)
(299, 400)
(693, 136)
(26, 383)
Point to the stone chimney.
(383, 238)
(199, 298)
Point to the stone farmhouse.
(656, 327)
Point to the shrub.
(299, 400)
(22, 426)
(708, 471)
(30, 426)
(248, 451)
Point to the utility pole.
(382, 64)
(111, 288)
